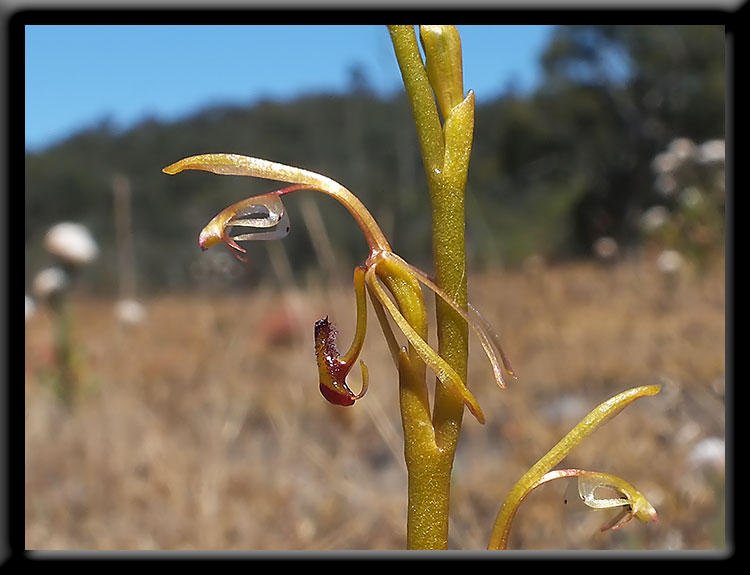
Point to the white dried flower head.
(654, 218)
(683, 148)
(711, 152)
(666, 184)
(49, 282)
(670, 262)
(709, 453)
(606, 248)
(72, 243)
(665, 163)
(30, 307)
(130, 312)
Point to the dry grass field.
(203, 428)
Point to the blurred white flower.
(606, 248)
(30, 307)
(49, 282)
(709, 453)
(711, 151)
(665, 184)
(654, 218)
(130, 312)
(665, 163)
(72, 243)
(670, 262)
(687, 432)
(683, 149)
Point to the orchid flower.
(382, 272)
(633, 502)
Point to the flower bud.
(442, 48)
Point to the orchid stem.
(430, 463)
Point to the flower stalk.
(73, 248)
(445, 153)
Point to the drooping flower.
(264, 212)
(632, 501)
(265, 217)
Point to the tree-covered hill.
(552, 171)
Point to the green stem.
(421, 97)
(64, 351)
(430, 465)
(428, 477)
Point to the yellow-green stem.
(430, 464)
(66, 375)
(428, 475)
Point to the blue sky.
(78, 75)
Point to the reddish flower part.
(332, 370)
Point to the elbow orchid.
(434, 86)
(632, 501)
(266, 218)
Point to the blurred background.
(171, 394)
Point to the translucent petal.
(281, 229)
(587, 486)
(487, 336)
(263, 212)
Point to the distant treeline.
(551, 171)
